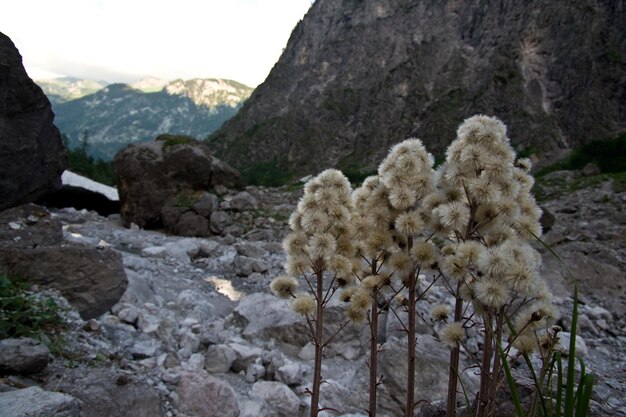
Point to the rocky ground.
(197, 332)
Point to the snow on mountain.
(75, 180)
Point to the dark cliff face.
(359, 75)
(32, 157)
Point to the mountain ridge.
(120, 114)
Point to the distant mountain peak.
(209, 91)
(150, 84)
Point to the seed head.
(440, 312)
(492, 293)
(303, 304)
(452, 334)
(284, 286)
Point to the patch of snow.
(75, 180)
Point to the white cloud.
(122, 40)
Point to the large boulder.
(108, 392)
(35, 402)
(173, 170)
(32, 156)
(91, 279)
(23, 356)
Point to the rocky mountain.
(358, 76)
(60, 90)
(120, 114)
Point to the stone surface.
(150, 174)
(205, 396)
(35, 402)
(23, 356)
(91, 279)
(32, 157)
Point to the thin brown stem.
(412, 341)
(455, 355)
(486, 378)
(371, 411)
(319, 345)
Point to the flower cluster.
(486, 210)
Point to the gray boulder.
(278, 396)
(431, 372)
(109, 392)
(23, 356)
(32, 156)
(202, 395)
(149, 174)
(35, 402)
(91, 279)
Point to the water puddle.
(225, 287)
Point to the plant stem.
(485, 370)
(319, 345)
(371, 412)
(455, 354)
(496, 364)
(410, 380)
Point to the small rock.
(129, 315)
(219, 221)
(195, 362)
(246, 354)
(15, 226)
(92, 325)
(206, 204)
(145, 348)
(254, 372)
(292, 373)
(243, 201)
(22, 356)
(591, 169)
(219, 358)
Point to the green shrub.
(171, 140)
(608, 155)
(266, 173)
(22, 313)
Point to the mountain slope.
(119, 115)
(358, 76)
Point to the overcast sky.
(125, 40)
